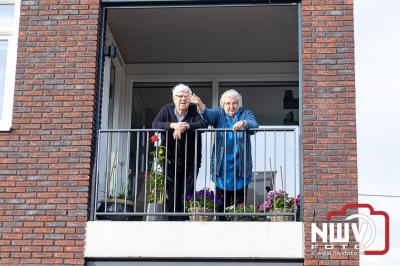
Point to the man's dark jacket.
(164, 118)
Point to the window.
(9, 20)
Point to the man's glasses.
(183, 96)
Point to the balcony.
(128, 182)
(126, 225)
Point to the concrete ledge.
(261, 240)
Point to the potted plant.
(278, 203)
(202, 201)
(155, 180)
(116, 203)
(242, 208)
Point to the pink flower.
(265, 206)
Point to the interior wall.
(215, 45)
(266, 101)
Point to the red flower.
(154, 138)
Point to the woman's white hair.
(230, 93)
(180, 88)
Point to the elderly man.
(231, 166)
(180, 118)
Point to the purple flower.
(189, 197)
(204, 196)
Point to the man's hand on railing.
(177, 134)
(181, 126)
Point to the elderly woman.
(180, 118)
(231, 163)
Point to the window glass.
(6, 15)
(3, 57)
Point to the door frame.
(101, 62)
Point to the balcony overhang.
(194, 240)
(202, 2)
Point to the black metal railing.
(209, 174)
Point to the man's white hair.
(230, 93)
(181, 88)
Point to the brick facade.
(45, 161)
(46, 158)
(329, 115)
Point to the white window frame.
(10, 34)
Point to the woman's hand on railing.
(240, 125)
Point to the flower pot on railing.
(243, 211)
(280, 217)
(155, 208)
(280, 206)
(113, 208)
(201, 205)
(200, 210)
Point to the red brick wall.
(330, 162)
(45, 160)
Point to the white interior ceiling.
(206, 34)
